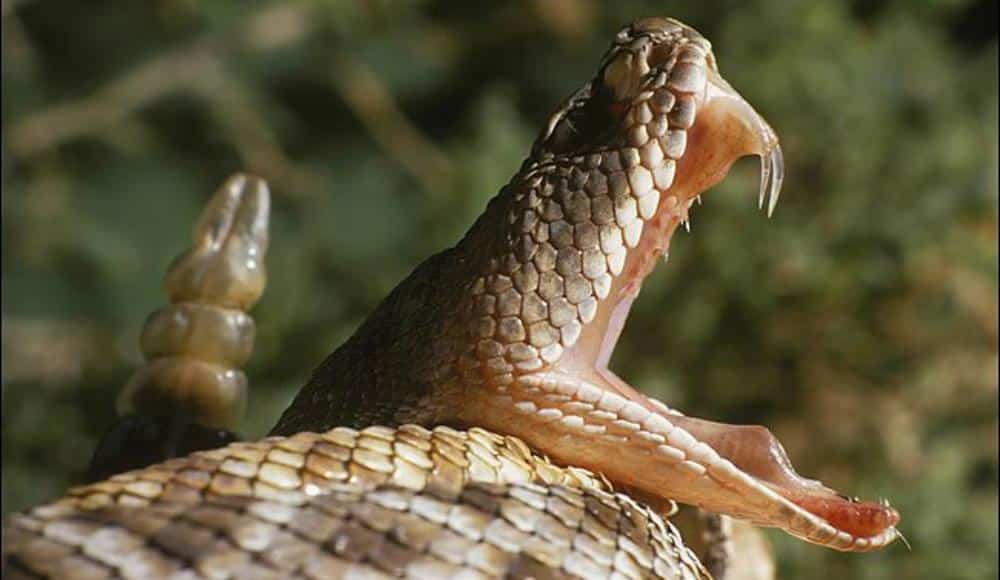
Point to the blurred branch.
(55, 353)
(198, 69)
(195, 68)
(237, 112)
(108, 106)
(569, 19)
(371, 102)
(17, 49)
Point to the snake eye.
(587, 123)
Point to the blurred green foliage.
(860, 323)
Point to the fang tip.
(777, 163)
(903, 539)
(765, 179)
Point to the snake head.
(658, 78)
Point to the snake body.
(378, 502)
(419, 447)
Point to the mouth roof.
(859, 525)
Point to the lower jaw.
(567, 428)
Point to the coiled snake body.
(498, 347)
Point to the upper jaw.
(756, 138)
(660, 52)
(728, 128)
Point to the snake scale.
(430, 443)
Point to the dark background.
(860, 323)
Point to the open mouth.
(733, 456)
(733, 469)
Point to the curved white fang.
(778, 176)
(765, 178)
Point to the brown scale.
(380, 502)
